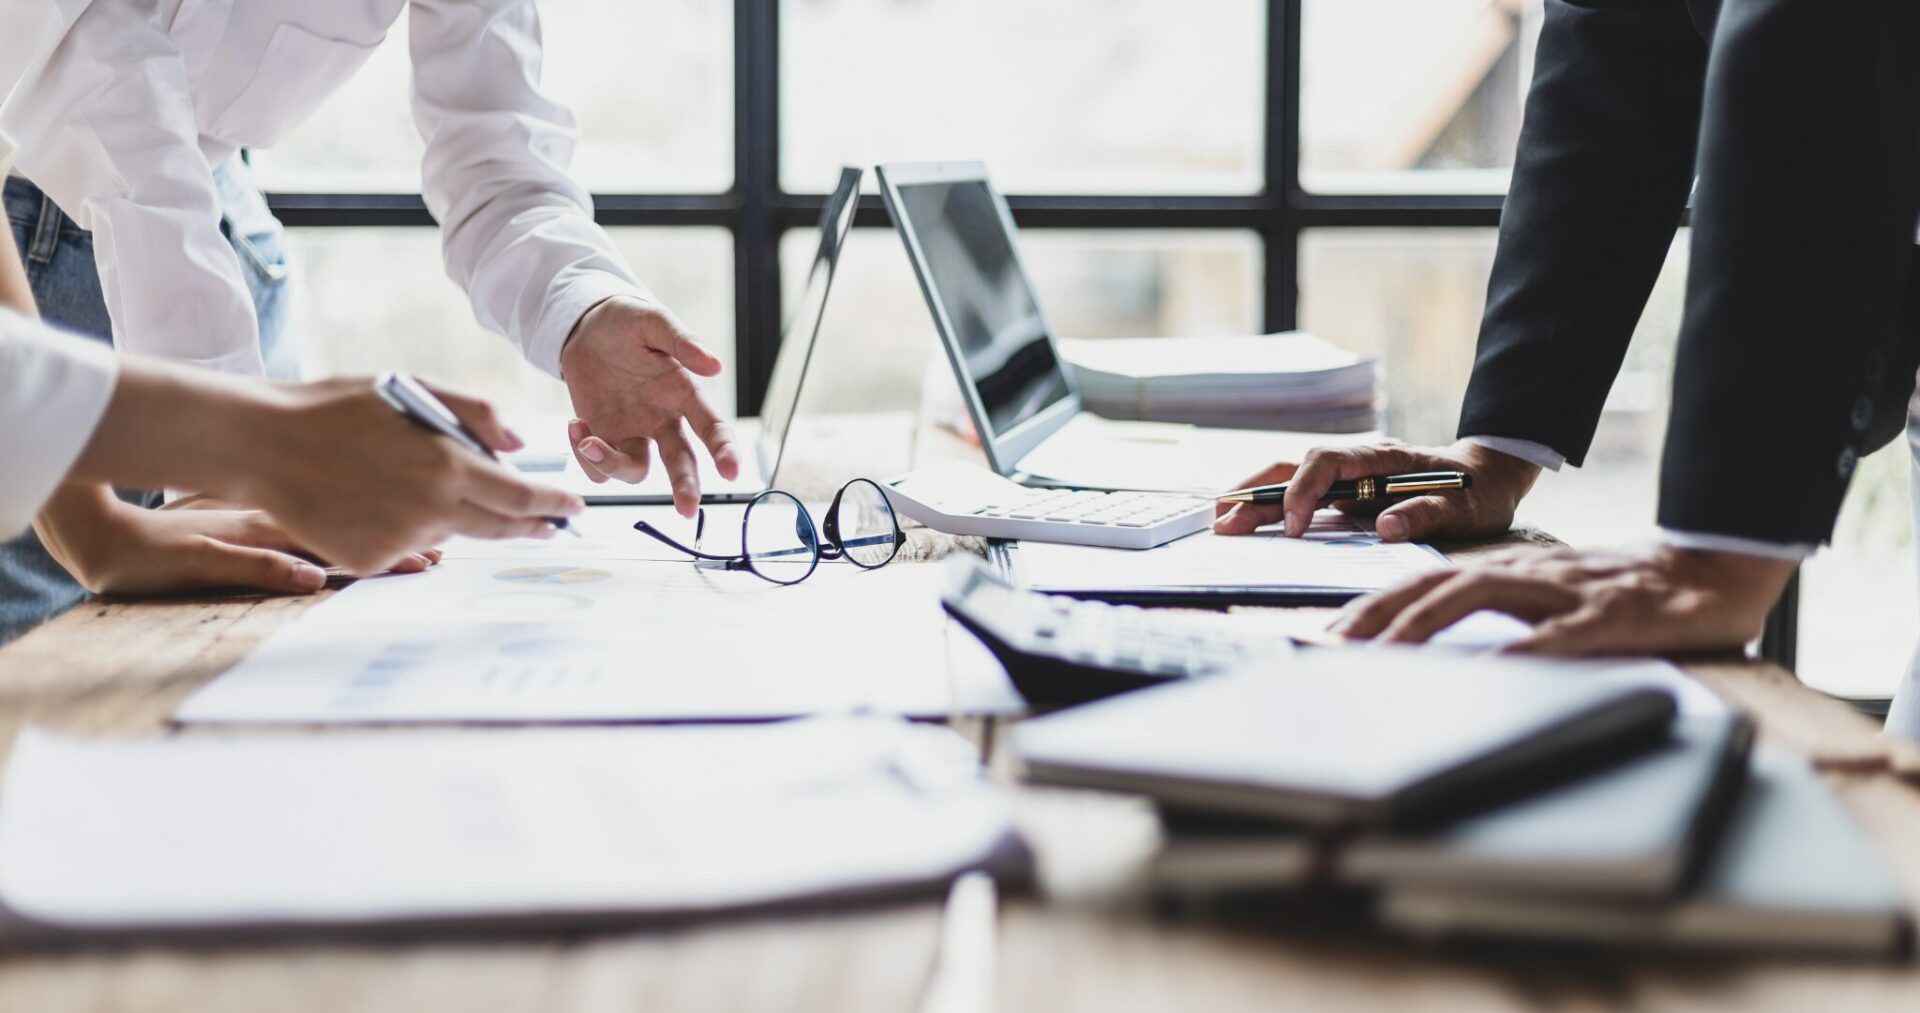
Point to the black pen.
(417, 404)
(1360, 489)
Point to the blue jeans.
(59, 256)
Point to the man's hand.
(1499, 482)
(630, 367)
(1651, 600)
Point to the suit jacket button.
(1848, 458)
(1862, 414)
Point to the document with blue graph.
(552, 639)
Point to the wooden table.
(119, 668)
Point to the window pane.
(663, 123)
(368, 300)
(878, 346)
(1069, 96)
(1414, 299)
(1413, 95)
(1857, 598)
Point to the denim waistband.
(29, 207)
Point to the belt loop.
(46, 232)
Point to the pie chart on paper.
(552, 575)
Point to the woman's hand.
(339, 470)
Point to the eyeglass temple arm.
(649, 530)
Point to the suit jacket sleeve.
(1796, 356)
(1600, 181)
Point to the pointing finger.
(717, 435)
(683, 469)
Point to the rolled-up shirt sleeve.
(106, 128)
(517, 230)
(54, 388)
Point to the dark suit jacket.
(1802, 327)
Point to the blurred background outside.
(1066, 97)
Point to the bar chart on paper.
(551, 575)
(620, 640)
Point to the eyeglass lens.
(779, 539)
(864, 524)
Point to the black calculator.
(1060, 651)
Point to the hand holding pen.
(415, 403)
(1473, 495)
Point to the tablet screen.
(971, 269)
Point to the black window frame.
(756, 211)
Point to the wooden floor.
(118, 669)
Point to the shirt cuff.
(1792, 552)
(567, 302)
(57, 387)
(1526, 450)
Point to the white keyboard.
(965, 499)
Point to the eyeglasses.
(778, 541)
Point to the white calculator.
(965, 499)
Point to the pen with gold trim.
(1360, 490)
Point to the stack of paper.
(464, 828)
(1292, 380)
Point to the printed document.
(355, 828)
(1337, 553)
(612, 640)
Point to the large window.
(1213, 166)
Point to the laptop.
(797, 338)
(1024, 402)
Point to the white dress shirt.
(53, 389)
(1552, 460)
(31, 28)
(122, 124)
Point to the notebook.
(1338, 737)
(1638, 829)
(1793, 873)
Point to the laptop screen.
(971, 269)
(803, 327)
